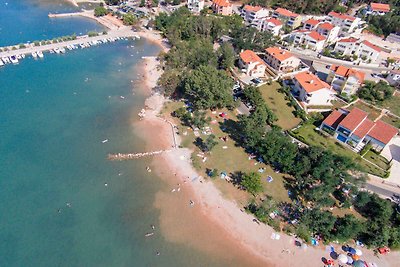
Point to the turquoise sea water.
(55, 209)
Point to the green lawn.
(392, 104)
(310, 136)
(279, 105)
(377, 159)
(230, 160)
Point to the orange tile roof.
(383, 132)
(312, 22)
(316, 36)
(223, 3)
(353, 119)
(276, 22)
(371, 46)
(279, 53)
(310, 82)
(285, 12)
(326, 26)
(252, 8)
(341, 16)
(334, 118)
(249, 56)
(347, 72)
(364, 128)
(380, 7)
(348, 40)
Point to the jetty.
(129, 156)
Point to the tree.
(170, 81)
(376, 92)
(210, 143)
(226, 56)
(347, 227)
(319, 222)
(252, 39)
(252, 182)
(129, 19)
(207, 88)
(100, 11)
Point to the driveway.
(392, 151)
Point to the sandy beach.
(214, 224)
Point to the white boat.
(5, 60)
(57, 50)
(40, 54)
(34, 55)
(62, 50)
(14, 59)
(23, 55)
(82, 46)
(1, 63)
(19, 57)
(104, 141)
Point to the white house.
(254, 15)
(368, 51)
(291, 19)
(310, 24)
(377, 9)
(329, 31)
(312, 91)
(394, 78)
(346, 23)
(356, 129)
(281, 60)
(310, 39)
(272, 25)
(252, 64)
(362, 49)
(195, 6)
(345, 80)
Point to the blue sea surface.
(24, 21)
(62, 203)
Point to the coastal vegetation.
(100, 11)
(313, 180)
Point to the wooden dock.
(129, 156)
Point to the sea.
(62, 203)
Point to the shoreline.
(231, 222)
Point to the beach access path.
(121, 33)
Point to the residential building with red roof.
(195, 6)
(310, 24)
(281, 60)
(291, 19)
(345, 80)
(356, 129)
(311, 91)
(309, 39)
(329, 31)
(364, 50)
(377, 9)
(254, 15)
(251, 64)
(222, 7)
(346, 23)
(272, 25)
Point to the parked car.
(256, 80)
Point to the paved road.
(383, 192)
(328, 61)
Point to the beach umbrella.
(342, 258)
(356, 257)
(352, 250)
(358, 252)
(359, 264)
(349, 260)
